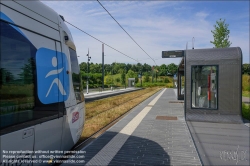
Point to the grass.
(246, 93)
(101, 113)
(245, 82)
(246, 111)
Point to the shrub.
(246, 111)
(166, 80)
(117, 79)
(146, 78)
(245, 82)
(149, 84)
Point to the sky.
(155, 25)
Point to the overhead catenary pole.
(88, 72)
(102, 66)
(193, 42)
(141, 78)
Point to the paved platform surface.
(146, 137)
(221, 143)
(141, 139)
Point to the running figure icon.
(56, 80)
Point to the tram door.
(51, 90)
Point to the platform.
(108, 93)
(156, 133)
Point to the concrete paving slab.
(221, 143)
(153, 142)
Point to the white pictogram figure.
(56, 80)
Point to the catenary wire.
(100, 41)
(124, 30)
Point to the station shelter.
(209, 82)
(131, 82)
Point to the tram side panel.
(74, 114)
(49, 113)
(18, 58)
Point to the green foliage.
(6, 76)
(123, 77)
(245, 82)
(172, 69)
(118, 79)
(119, 68)
(246, 93)
(116, 73)
(221, 35)
(246, 69)
(146, 78)
(246, 111)
(162, 70)
(131, 74)
(108, 80)
(150, 84)
(27, 72)
(166, 80)
(136, 78)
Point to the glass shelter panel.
(205, 87)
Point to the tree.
(146, 68)
(131, 74)
(221, 35)
(27, 74)
(163, 70)
(123, 77)
(246, 69)
(171, 69)
(83, 67)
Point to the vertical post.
(125, 77)
(156, 76)
(88, 73)
(152, 74)
(193, 42)
(141, 78)
(209, 91)
(102, 66)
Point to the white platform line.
(107, 153)
(155, 99)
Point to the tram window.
(19, 102)
(204, 87)
(16, 77)
(76, 76)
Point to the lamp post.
(102, 66)
(88, 71)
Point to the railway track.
(116, 105)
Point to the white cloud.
(155, 26)
(202, 15)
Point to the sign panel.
(173, 54)
(52, 80)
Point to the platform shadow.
(135, 151)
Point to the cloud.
(202, 15)
(155, 26)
